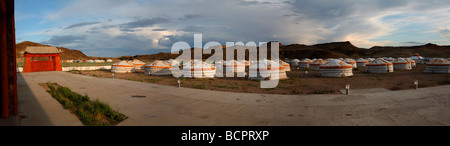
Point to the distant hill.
(337, 50)
(67, 54)
(428, 50)
(325, 50)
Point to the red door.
(42, 66)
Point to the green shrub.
(101, 107)
(325, 91)
(85, 118)
(114, 116)
(52, 89)
(233, 88)
(68, 104)
(91, 113)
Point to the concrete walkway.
(38, 108)
(165, 105)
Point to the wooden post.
(8, 75)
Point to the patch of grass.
(252, 85)
(68, 104)
(84, 117)
(76, 72)
(199, 86)
(324, 91)
(294, 91)
(90, 113)
(444, 82)
(233, 88)
(219, 86)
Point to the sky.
(112, 28)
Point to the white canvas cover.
(295, 62)
(122, 67)
(336, 68)
(158, 68)
(286, 66)
(351, 61)
(361, 62)
(264, 69)
(401, 64)
(379, 66)
(138, 64)
(109, 60)
(219, 67)
(316, 64)
(438, 65)
(304, 63)
(233, 66)
(245, 62)
(390, 59)
(173, 63)
(413, 63)
(416, 57)
(198, 69)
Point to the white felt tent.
(417, 58)
(335, 68)
(304, 63)
(265, 69)
(158, 68)
(413, 63)
(294, 62)
(351, 61)
(316, 64)
(379, 66)
(401, 64)
(361, 62)
(137, 64)
(198, 69)
(122, 67)
(438, 65)
(286, 66)
(234, 67)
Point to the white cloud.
(133, 24)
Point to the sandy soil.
(298, 82)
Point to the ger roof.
(378, 62)
(158, 64)
(335, 63)
(319, 62)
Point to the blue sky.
(132, 27)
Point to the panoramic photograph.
(225, 63)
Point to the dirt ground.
(298, 82)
